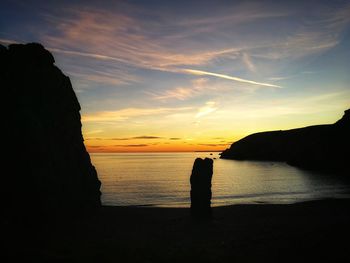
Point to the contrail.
(202, 73)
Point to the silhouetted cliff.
(320, 147)
(47, 167)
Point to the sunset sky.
(192, 75)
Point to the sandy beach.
(305, 231)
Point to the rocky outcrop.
(46, 163)
(200, 180)
(321, 147)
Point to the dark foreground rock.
(202, 173)
(47, 168)
(320, 147)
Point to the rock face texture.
(321, 147)
(202, 173)
(47, 165)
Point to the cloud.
(8, 41)
(196, 87)
(248, 62)
(121, 37)
(214, 144)
(93, 132)
(314, 35)
(147, 137)
(279, 78)
(107, 76)
(127, 113)
(86, 54)
(180, 93)
(134, 36)
(131, 145)
(137, 138)
(209, 107)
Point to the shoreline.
(245, 233)
(252, 203)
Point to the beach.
(306, 231)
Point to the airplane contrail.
(202, 73)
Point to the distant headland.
(319, 147)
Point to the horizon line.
(153, 151)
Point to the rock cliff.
(320, 147)
(47, 167)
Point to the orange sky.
(96, 146)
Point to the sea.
(162, 180)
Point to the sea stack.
(47, 166)
(202, 173)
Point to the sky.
(192, 75)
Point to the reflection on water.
(162, 179)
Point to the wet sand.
(309, 231)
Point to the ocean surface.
(162, 179)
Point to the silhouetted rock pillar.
(49, 168)
(201, 188)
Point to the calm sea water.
(162, 179)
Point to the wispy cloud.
(209, 107)
(214, 144)
(86, 54)
(247, 60)
(137, 138)
(280, 78)
(164, 43)
(120, 38)
(93, 132)
(168, 44)
(314, 35)
(124, 114)
(145, 137)
(197, 86)
(130, 145)
(105, 77)
(8, 41)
